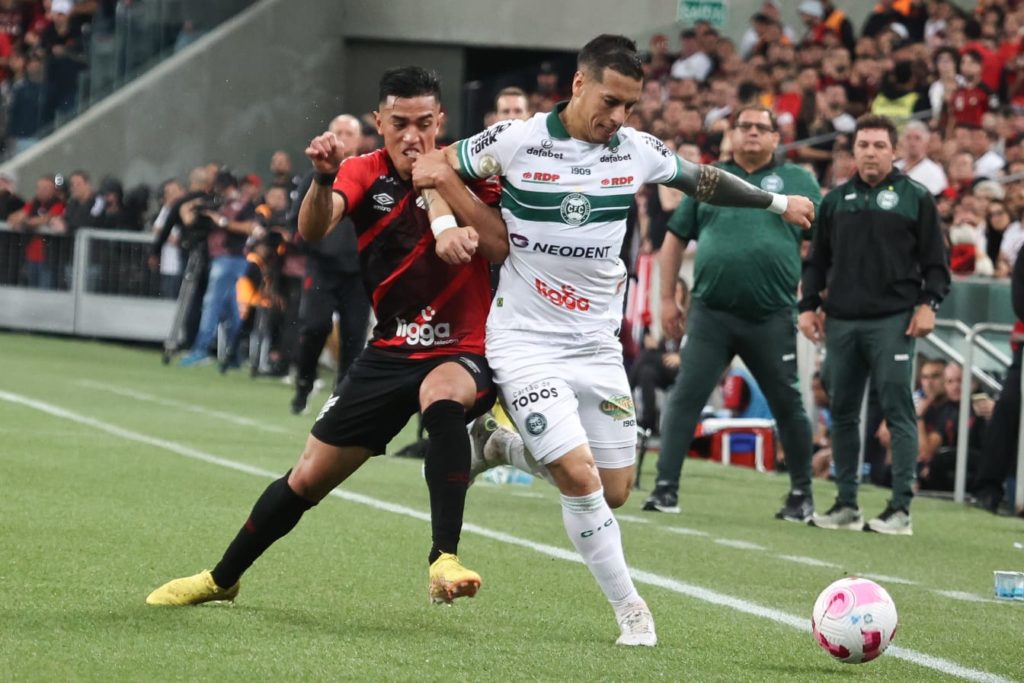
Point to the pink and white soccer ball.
(854, 620)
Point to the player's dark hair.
(409, 81)
(617, 53)
(876, 122)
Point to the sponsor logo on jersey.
(571, 251)
(487, 137)
(772, 183)
(518, 240)
(568, 251)
(575, 208)
(383, 201)
(617, 407)
(545, 153)
(426, 333)
(536, 423)
(531, 395)
(565, 297)
(887, 199)
(618, 181)
(657, 144)
(615, 158)
(546, 143)
(540, 177)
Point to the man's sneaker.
(839, 516)
(480, 431)
(893, 520)
(450, 580)
(799, 507)
(191, 590)
(301, 398)
(195, 358)
(663, 498)
(636, 626)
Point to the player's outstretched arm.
(322, 208)
(714, 186)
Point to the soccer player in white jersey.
(568, 179)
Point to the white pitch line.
(809, 561)
(883, 578)
(698, 592)
(739, 545)
(966, 597)
(181, 405)
(632, 518)
(683, 531)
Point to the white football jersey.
(565, 202)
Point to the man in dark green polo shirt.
(878, 269)
(744, 303)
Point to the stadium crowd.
(952, 79)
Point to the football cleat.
(636, 626)
(450, 580)
(191, 590)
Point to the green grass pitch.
(109, 486)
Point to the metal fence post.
(962, 437)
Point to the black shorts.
(381, 391)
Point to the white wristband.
(780, 203)
(442, 223)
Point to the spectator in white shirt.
(915, 162)
(692, 62)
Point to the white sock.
(594, 531)
(512, 451)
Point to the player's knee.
(616, 495)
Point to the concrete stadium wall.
(269, 78)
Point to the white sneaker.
(636, 625)
(481, 457)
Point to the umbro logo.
(384, 199)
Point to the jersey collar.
(556, 128)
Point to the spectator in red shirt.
(991, 63)
(972, 100)
(36, 217)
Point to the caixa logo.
(566, 297)
(425, 333)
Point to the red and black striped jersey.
(424, 306)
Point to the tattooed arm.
(721, 188)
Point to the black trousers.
(999, 456)
(321, 297)
(649, 374)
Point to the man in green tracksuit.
(744, 303)
(878, 268)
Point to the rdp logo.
(541, 177)
(620, 181)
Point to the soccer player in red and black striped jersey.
(427, 349)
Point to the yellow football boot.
(450, 580)
(192, 590)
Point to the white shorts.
(563, 391)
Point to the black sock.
(446, 469)
(276, 513)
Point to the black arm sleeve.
(1017, 287)
(173, 218)
(931, 253)
(721, 188)
(815, 273)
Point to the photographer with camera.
(227, 219)
(193, 250)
